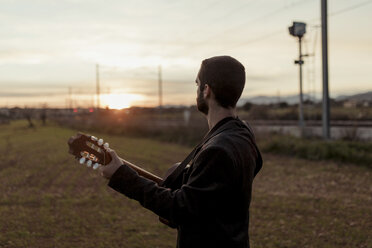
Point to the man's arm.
(210, 183)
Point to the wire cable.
(344, 10)
(238, 27)
(271, 34)
(356, 6)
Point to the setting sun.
(120, 101)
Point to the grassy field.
(48, 200)
(342, 151)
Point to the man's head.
(225, 76)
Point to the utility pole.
(298, 29)
(160, 87)
(69, 98)
(97, 87)
(301, 62)
(325, 105)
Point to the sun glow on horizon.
(121, 100)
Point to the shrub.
(314, 149)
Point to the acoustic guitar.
(92, 152)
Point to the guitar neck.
(144, 173)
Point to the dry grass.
(299, 203)
(47, 200)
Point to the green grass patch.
(359, 153)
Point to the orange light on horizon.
(120, 100)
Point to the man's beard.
(201, 103)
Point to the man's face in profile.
(200, 101)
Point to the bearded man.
(208, 195)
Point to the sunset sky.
(48, 46)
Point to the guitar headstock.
(89, 150)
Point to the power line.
(313, 64)
(268, 15)
(352, 7)
(209, 7)
(277, 32)
(259, 38)
(311, 71)
(219, 18)
(244, 24)
(344, 10)
(240, 8)
(271, 34)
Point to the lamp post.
(298, 29)
(325, 105)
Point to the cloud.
(59, 42)
(9, 57)
(29, 94)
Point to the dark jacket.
(211, 207)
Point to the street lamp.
(298, 29)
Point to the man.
(208, 196)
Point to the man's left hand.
(108, 170)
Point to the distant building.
(4, 112)
(367, 104)
(350, 104)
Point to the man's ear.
(207, 91)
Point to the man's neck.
(217, 113)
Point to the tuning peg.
(94, 138)
(82, 160)
(89, 163)
(95, 166)
(106, 145)
(100, 142)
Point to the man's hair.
(226, 77)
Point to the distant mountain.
(357, 97)
(291, 99)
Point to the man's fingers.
(100, 169)
(112, 153)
